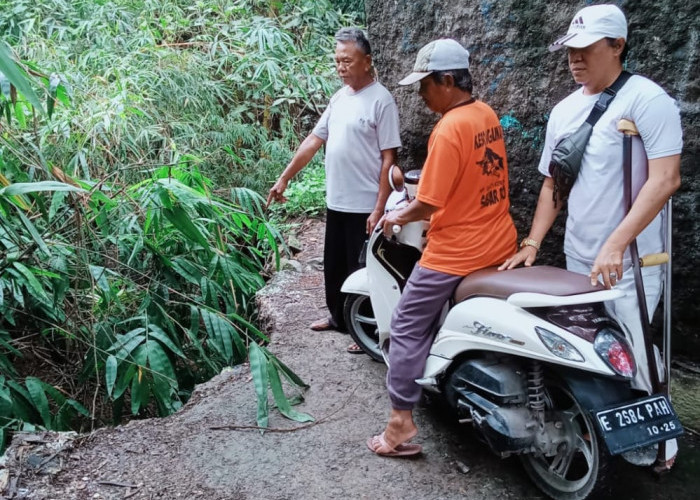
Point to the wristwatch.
(529, 242)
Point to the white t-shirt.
(596, 203)
(357, 126)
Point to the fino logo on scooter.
(486, 331)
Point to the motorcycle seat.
(548, 280)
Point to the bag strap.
(656, 384)
(606, 97)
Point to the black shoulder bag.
(568, 153)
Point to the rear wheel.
(578, 469)
(362, 325)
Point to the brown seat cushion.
(549, 280)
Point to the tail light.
(615, 352)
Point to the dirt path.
(183, 457)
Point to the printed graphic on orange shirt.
(493, 196)
(492, 164)
(493, 193)
(488, 136)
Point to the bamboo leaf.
(123, 340)
(261, 380)
(80, 408)
(54, 82)
(124, 381)
(57, 203)
(34, 286)
(110, 373)
(124, 350)
(250, 327)
(213, 328)
(35, 187)
(5, 403)
(219, 331)
(192, 334)
(179, 218)
(281, 399)
(139, 391)
(157, 333)
(287, 372)
(187, 270)
(17, 77)
(33, 232)
(5, 87)
(22, 406)
(159, 362)
(19, 108)
(227, 339)
(194, 321)
(38, 397)
(6, 107)
(237, 341)
(99, 274)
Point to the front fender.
(357, 283)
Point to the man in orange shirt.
(464, 191)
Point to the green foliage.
(128, 263)
(355, 7)
(234, 85)
(306, 194)
(146, 288)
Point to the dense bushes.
(134, 140)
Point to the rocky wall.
(514, 72)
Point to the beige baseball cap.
(438, 55)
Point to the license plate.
(638, 423)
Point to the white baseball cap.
(591, 24)
(438, 55)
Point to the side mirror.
(411, 180)
(395, 178)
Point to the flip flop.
(355, 349)
(322, 325)
(400, 450)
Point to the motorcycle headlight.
(558, 346)
(615, 352)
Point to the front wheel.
(362, 325)
(578, 469)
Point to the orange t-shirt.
(466, 176)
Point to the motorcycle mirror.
(395, 178)
(411, 180)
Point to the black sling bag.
(568, 153)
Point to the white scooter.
(528, 356)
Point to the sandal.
(322, 325)
(355, 349)
(400, 450)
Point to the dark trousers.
(345, 235)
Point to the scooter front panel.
(385, 294)
(494, 325)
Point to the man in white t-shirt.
(360, 129)
(598, 228)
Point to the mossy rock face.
(685, 394)
(521, 80)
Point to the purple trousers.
(413, 327)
